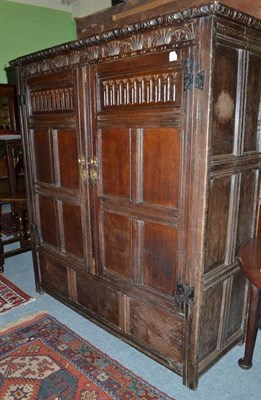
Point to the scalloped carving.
(172, 35)
(147, 41)
(92, 53)
(115, 48)
(137, 42)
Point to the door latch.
(83, 172)
(93, 169)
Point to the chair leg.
(254, 308)
(18, 213)
(21, 226)
(20, 233)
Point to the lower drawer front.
(160, 330)
(98, 298)
(54, 274)
(149, 327)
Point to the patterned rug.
(41, 359)
(10, 295)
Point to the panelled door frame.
(170, 118)
(74, 120)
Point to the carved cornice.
(166, 37)
(133, 38)
(237, 16)
(161, 32)
(217, 8)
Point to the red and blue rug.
(10, 295)
(42, 359)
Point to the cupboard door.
(58, 169)
(136, 150)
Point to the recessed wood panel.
(210, 320)
(161, 158)
(217, 222)
(159, 257)
(68, 158)
(224, 99)
(246, 207)
(117, 243)
(54, 274)
(157, 328)
(101, 300)
(115, 147)
(73, 235)
(236, 304)
(43, 155)
(253, 105)
(48, 220)
(151, 82)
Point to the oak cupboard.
(142, 154)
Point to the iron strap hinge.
(185, 293)
(191, 80)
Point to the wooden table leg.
(254, 309)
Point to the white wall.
(78, 8)
(81, 8)
(55, 4)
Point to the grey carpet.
(224, 381)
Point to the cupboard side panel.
(224, 98)
(253, 104)
(211, 308)
(247, 199)
(217, 222)
(236, 305)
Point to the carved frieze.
(57, 61)
(141, 42)
(166, 32)
(53, 100)
(163, 38)
(136, 90)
